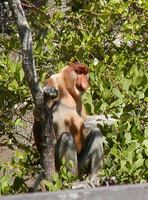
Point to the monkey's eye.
(79, 72)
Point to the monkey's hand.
(50, 92)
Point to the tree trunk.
(47, 133)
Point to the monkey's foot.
(50, 92)
(94, 181)
(81, 185)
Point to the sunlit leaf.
(127, 137)
(96, 62)
(13, 85)
(117, 92)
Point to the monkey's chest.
(66, 119)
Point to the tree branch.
(47, 133)
(93, 120)
(27, 51)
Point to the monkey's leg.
(92, 155)
(65, 148)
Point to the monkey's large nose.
(84, 85)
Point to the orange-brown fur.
(69, 115)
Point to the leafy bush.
(61, 180)
(18, 172)
(110, 37)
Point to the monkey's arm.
(50, 95)
(51, 91)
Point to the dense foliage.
(110, 37)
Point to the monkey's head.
(76, 76)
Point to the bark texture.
(47, 134)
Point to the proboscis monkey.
(74, 142)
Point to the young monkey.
(74, 142)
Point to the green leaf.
(146, 151)
(48, 184)
(124, 117)
(127, 137)
(134, 71)
(92, 76)
(117, 92)
(146, 99)
(126, 83)
(146, 163)
(13, 85)
(132, 147)
(129, 158)
(114, 151)
(12, 66)
(89, 103)
(4, 183)
(138, 80)
(103, 107)
(4, 179)
(19, 155)
(138, 163)
(21, 72)
(58, 184)
(106, 94)
(114, 1)
(96, 62)
(19, 122)
(145, 142)
(146, 132)
(141, 95)
(123, 163)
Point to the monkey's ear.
(49, 73)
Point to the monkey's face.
(81, 83)
(80, 77)
(76, 78)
